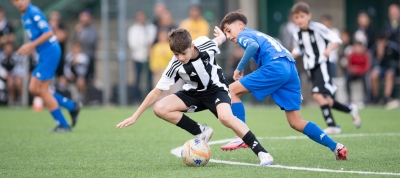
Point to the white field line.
(177, 152)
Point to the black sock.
(189, 125)
(326, 111)
(340, 107)
(251, 140)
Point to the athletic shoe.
(206, 134)
(265, 158)
(340, 152)
(355, 116)
(60, 129)
(236, 143)
(74, 113)
(333, 130)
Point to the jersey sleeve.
(170, 75)
(326, 33)
(40, 20)
(203, 43)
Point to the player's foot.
(265, 159)
(355, 116)
(60, 129)
(74, 113)
(206, 134)
(333, 130)
(340, 152)
(236, 143)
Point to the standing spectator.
(386, 56)
(160, 56)
(364, 31)
(61, 33)
(392, 27)
(86, 34)
(333, 56)
(75, 69)
(140, 37)
(344, 50)
(158, 10)
(6, 29)
(358, 66)
(165, 22)
(195, 23)
(285, 32)
(13, 65)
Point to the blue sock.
(59, 117)
(316, 134)
(238, 111)
(64, 102)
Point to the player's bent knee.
(226, 119)
(159, 109)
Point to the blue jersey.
(35, 24)
(269, 48)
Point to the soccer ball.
(196, 152)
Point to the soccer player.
(204, 88)
(315, 42)
(277, 76)
(45, 42)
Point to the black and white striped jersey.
(312, 43)
(202, 74)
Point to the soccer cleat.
(236, 143)
(265, 158)
(60, 129)
(333, 130)
(206, 134)
(340, 152)
(355, 116)
(74, 113)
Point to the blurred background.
(114, 51)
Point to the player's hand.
(326, 53)
(237, 74)
(218, 32)
(26, 49)
(127, 122)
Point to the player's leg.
(315, 133)
(172, 113)
(236, 90)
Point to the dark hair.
(381, 36)
(179, 40)
(301, 7)
(326, 17)
(232, 17)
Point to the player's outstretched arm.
(219, 36)
(331, 47)
(28, 47)
(148, 101)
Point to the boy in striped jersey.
(204, 88)
(315, 42)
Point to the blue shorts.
(279, 79)
(48, 63)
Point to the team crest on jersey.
(240, 40)
(206, 61)
(245, 42)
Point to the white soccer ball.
(196, 152)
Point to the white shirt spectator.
(140, 37)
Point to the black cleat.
(60, 129)
(74, 113)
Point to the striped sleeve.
(170, 74)
(325, 32)
(203, 43)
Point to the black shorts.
(199, 102)
(322, 80)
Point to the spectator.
(344, 50)
(158, 10)
(386, 56)
(358, 66)
(14, 67)
(160, 56)
(61, 33)
(140, 37)
(364, 31)
(166, 22)
(75, 70)
(333, 56)
(86, 34)
(286, 32)
(6, 29)
(195, 23)
(392, 27)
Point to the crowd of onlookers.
(366, 54)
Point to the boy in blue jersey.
(277, 76)
(45, 42)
